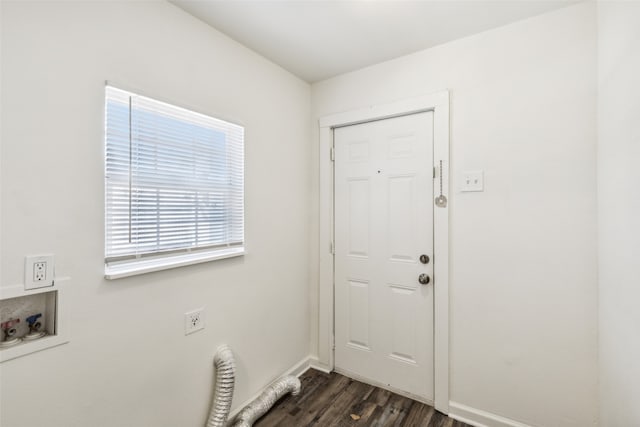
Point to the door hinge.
(332, 248)
(332, 154)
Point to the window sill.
(134, 268)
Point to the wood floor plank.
(310, 384)
(380, 396)
(340, 412)
(393, 412)
(419, 415)
(330, 400)
(364, 410)
(440, 420)
(325, 398)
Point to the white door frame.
(438, 103)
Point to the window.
(174, 186)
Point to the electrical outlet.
(38, 271)
(193, 321)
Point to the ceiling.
(319, 39)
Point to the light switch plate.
(472, 181)
(38, 271)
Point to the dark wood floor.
(335, 400)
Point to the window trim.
(150, 264)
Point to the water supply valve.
(34, 327)
(9, 331)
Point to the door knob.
(424, 259)
(424, 279)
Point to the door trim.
(438, 103)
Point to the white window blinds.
(174, 180)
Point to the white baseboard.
(298, 369)
(318, 366)
(479, 418)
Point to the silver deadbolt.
(424, 279)
(424, 259)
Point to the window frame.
(116, 266)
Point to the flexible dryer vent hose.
(265, 401)
(225, 380)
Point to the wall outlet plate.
(39, 271)
(194, 321)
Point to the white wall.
(128, 362)
(523, 252)
(619, 211)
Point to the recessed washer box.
(18, 305)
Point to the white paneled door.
(383, 225)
